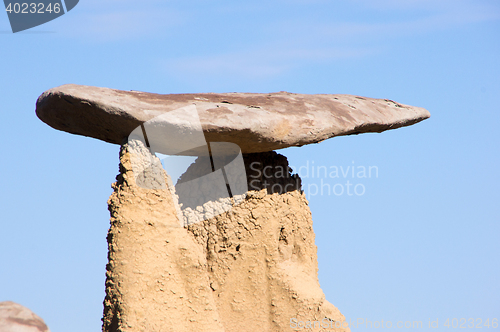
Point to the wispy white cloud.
(227, 65)
(434, 16)
(430, 5)
(286, 43)
(296, 44)
(112, 20)
(126, 19)
(255, 64)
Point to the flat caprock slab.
(256, 122)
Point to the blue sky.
(421, 243)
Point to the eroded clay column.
(261, 255)
(156, 275)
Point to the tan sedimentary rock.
(262, 260)
(156, 275)
(251, 268)
(256, 122)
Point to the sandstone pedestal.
(251, 268)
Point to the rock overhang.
(256, 122)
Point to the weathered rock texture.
(261, 255)
(252, 268)
(156, 275)
(256, 122)
(17, 318)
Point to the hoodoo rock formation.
(230, 246)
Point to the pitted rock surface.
(252, 268)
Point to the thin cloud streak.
(256, 64)
(122, 21)
(294, 44)
(356, 32)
